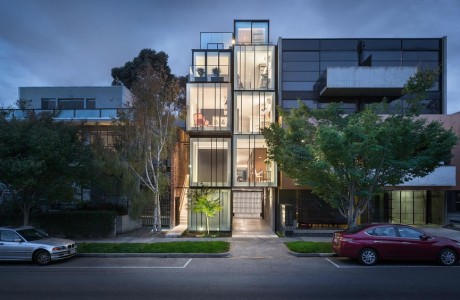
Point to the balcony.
(441, 176)
(209, 73)
(92, 115)
(366, 81)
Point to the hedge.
(76, 223)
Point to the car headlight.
(59, 248)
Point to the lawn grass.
(309, 247)
(163, 247)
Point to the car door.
(11, 246)
(385, 241)
(414, 246)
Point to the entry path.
(253, 238)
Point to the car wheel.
(42, 257)
(447, 257)
(368, 257)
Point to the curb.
(158, 255)
(311, 254)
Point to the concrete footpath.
(250, 245)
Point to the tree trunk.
(157, 215)
(26, 213)
(207, 224)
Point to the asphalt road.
(226, 278)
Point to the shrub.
(76, 223)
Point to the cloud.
(58, 43)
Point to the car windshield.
(31, 234)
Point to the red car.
(372, 242)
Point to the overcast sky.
(78, 42)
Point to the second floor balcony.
(94, 115)
(209, 73)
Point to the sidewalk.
(247, 246)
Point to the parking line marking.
(102, 267)
(336, 265)
(385, 266)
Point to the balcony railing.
(209, 73)
(102, 114)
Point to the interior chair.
(200, 120)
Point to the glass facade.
(210, 160)
(251, 166)
(417, 207)
(210, 66)
(208, 106)
(253, 111)
(220, 222)
(252, 32)
(255, 67)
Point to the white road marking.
(100, 267)
(336, 265)
(356, 266)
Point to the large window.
(210, 66)
(253, 111)
(208, 105)
(255, 67)
(48, 103)
(252, 32)
(72, 103)
(210, 161)
(252, 167)
(220, 222)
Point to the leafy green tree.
(41, 159)
(111, 178)
(206, 201)
(128, 75)
(346, 159)
(148, 130)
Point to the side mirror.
(424, 237)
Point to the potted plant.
(216, 75)
(201, 73)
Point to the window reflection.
(210, 161)
(253, 168)
(253, 111)
(208, 106)
(254, 67)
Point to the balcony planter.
(201, 75)
(216, 75)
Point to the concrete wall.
(125, 224)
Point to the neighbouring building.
(237, 79)
(96, 107)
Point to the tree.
(148, 131)
(205, 201)
(113, 179)
(41, 158)
(346, 159)
(128, 75)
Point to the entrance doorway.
(248, 204)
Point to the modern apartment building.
(238, 78)
(97, 106)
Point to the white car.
(30, 244)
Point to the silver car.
(30, 244)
